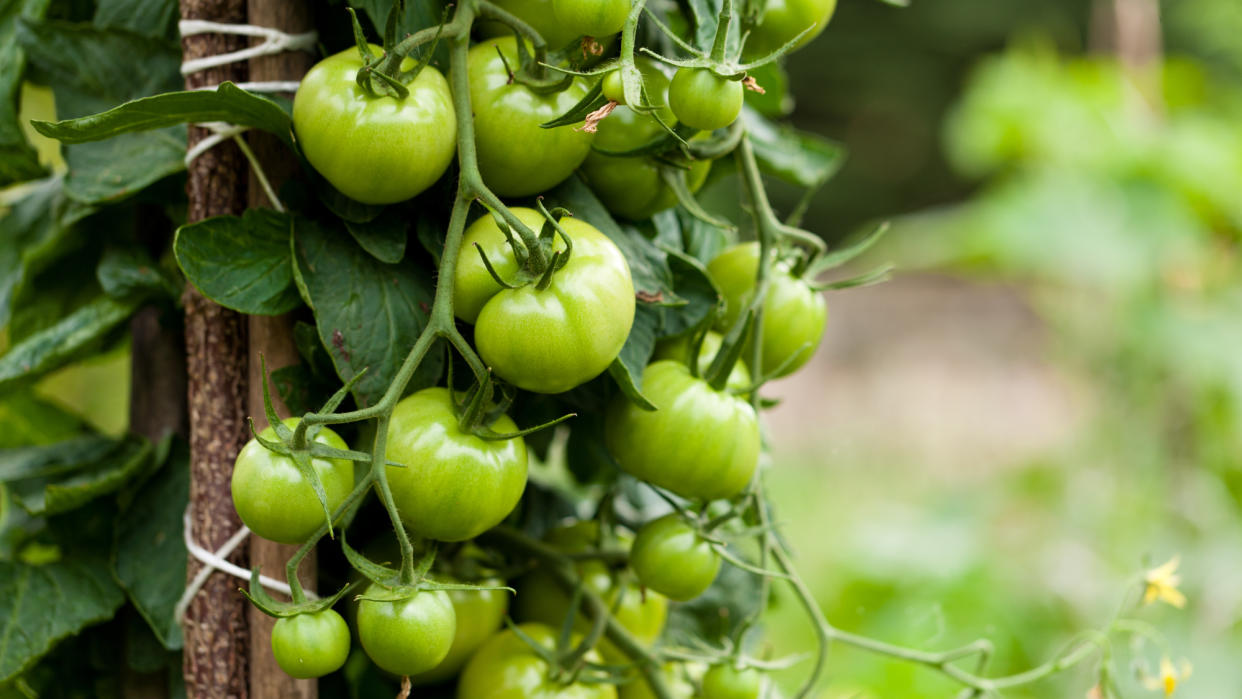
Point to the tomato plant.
(274, 498)
(375, 149)
(700, 442)
(406, 636)
(513, 323)
(311, 645)
(517, 156)
(452, 485)
(794, 314)
(670, 557)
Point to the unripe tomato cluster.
(543, 321)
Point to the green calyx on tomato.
(310, 645)
(507, 667)
(455, 484)
(518, 157)
(702, 99)
(551, 339)
(376, 149)
(794, 314)
(700, 443)
(542, 600)
(728, 682)
(783, 20)
(672, 558)
(272, 496)
(592, 17)
(406, 636)
(634, 187)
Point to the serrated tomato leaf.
(241, 262)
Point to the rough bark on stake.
(272, 337)
(215, 622)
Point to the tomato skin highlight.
(794, 314)
(310, 645)
(518, 157)
(408, 636)
(700, 443)
(550, 340)
(506, 668)
(272, 497)
(455, 485)
(376, 150)
(783, 20)
(540, 599)
(668, 556)
(479, 614)
(704, 100)
(595, 18)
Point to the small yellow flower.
(1169, 676)
(1161, 583)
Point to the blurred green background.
(1047, 399)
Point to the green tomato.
(592, 17)
(726, 682)
(377, 150)
(517, 156)
(310, 645)
(702, 99)
(670, 557)
(542, 600)
(408, 636)
(507, 668)
(700, 443)
(633, 187)
(273, 498)
(794, 314)
(783, 20)
(479, 614)
(613, 88)
(539, 15)
(552, 340)
(455, 485)
(678, 349)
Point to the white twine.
(217, 560)
(274, 41)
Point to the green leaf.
(242, 263)
(692, 284)
(112, 170)
(29, 420)
(627, 368)
(801, 158)
(152, 18)
(65, 341)
(18, 160)
(92, 70)
(705, 14)
(652, 278)
(75, 481)
(35, 232)
(50, 460)
(368, 314)
(227, 103)
(384, 237)
(40, 605)
(125, 271)
(149, 555)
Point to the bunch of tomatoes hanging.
(552, 89)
